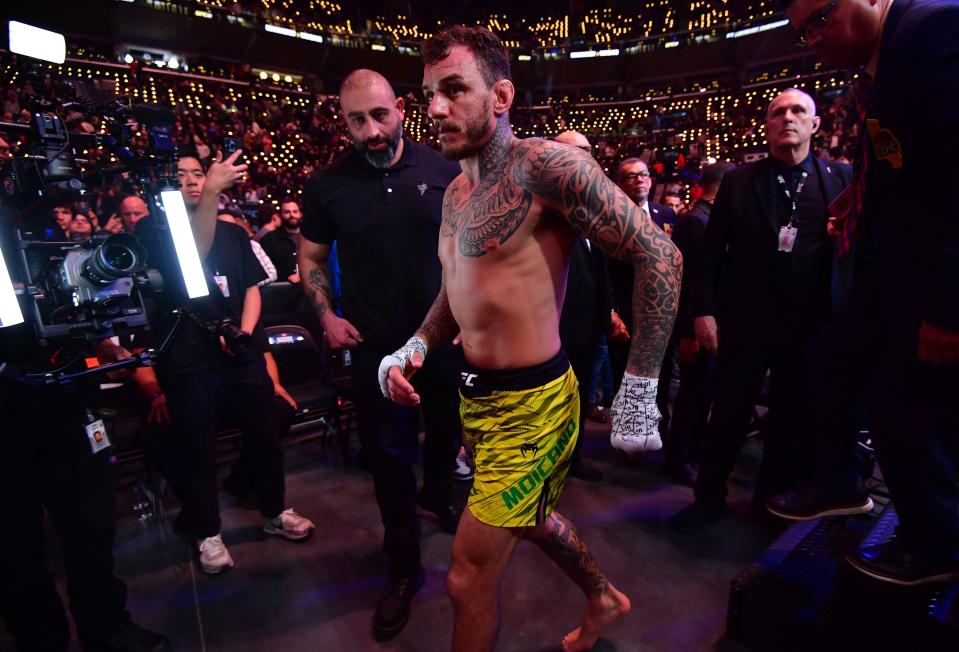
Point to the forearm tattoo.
(439, 327)
(568, 551)
(573, 181)
(318, 290)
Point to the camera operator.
(205, 371)
(48, 464)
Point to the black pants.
(388, 434)
(196, 401)
(690, 410)
(862, 359)
(787, 444)
(47, 465)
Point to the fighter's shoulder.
(533, 157)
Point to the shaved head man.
(791, 121)
(132, 210)
(374, 117)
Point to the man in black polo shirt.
(281, 245)
(382, 203)
(203, 374)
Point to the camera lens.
(118, 257)
(121, 255)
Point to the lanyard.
(792, 197)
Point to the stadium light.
(183, 242)
(37, 43)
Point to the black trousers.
(389, 437)
(862, 359)
(788, 450)
(690, 410)
(196, 401)
(47, 465)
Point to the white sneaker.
(214, 557)
(463, 470)
(289, 525)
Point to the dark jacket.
(736, 277)
(915, 248)
(587, 304)
(688, 236)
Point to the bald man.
(132, 210)
(761, 293)
(382, 202)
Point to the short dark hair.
(672, 193)
(484, 44)
(290, 200)
(191, 153)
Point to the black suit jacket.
(916, 247)
(587, 303)
(622, 275)
(736, 279)
(688, 236)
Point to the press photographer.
(213, 365)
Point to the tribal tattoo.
(564, 546)
(487, 217)
(439, 327)
(571, 181)
(515, 173)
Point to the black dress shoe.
(809, 503)
(698, 516)
(393, 607)
(130, 637)
(444, 510)
(684, 474)
(582, 471)
(895, 562)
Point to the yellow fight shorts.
(522, 425)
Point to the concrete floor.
(319, 595)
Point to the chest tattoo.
(487, 218)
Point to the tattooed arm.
(573, 183)
(439, 327)
(314, 274)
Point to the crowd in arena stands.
(520, 28)
(287, 135)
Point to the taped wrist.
(401, 358)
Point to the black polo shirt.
(386, 224)
(281, 245)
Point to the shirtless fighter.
(509, 223)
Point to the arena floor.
(319, 595)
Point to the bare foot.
(600, 612)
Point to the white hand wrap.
(401, 358)
(635, 416)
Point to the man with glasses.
(895, 342)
